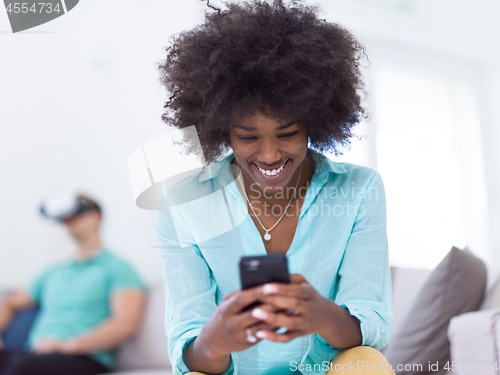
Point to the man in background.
(88, 306)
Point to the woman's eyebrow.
(286, 125)
(251, 129)
(247, 128)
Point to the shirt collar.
(324, 167)
(98, 254)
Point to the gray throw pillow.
(454, 287)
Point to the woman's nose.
(269, 153)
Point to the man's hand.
(50, 345)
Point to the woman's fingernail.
(269, 288)
(259, 314)
(261, 335)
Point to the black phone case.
(262, 269)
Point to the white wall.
(80, 93)
(490, 118)
(76, 100)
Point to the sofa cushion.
(454, 287)
(406, 282)
(148, 350)
(474, 342)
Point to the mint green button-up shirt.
(340, 247)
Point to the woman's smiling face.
(269, 150)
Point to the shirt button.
(171, 317)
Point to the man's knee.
(360, 360)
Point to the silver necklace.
(267, 236)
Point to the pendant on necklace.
(267, 237)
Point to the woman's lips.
(272, 174)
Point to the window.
(424, 139)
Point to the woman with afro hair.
(270, 87)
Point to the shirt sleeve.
(190, 289)
(123, 276)
(364, 287)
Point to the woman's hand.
(229, 327)
(306, 311)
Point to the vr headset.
(64, 205)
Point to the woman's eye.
(289, 135)
(246, 138)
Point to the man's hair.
(90, 203)
(261, 56)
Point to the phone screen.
(263, 269)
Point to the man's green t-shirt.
(76, 297)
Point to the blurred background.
(79, 94)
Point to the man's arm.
(127, 309)
(11, 305)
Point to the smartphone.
(263, 269)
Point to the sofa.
(462, 287)
(473, 336)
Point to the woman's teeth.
(272, 172)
